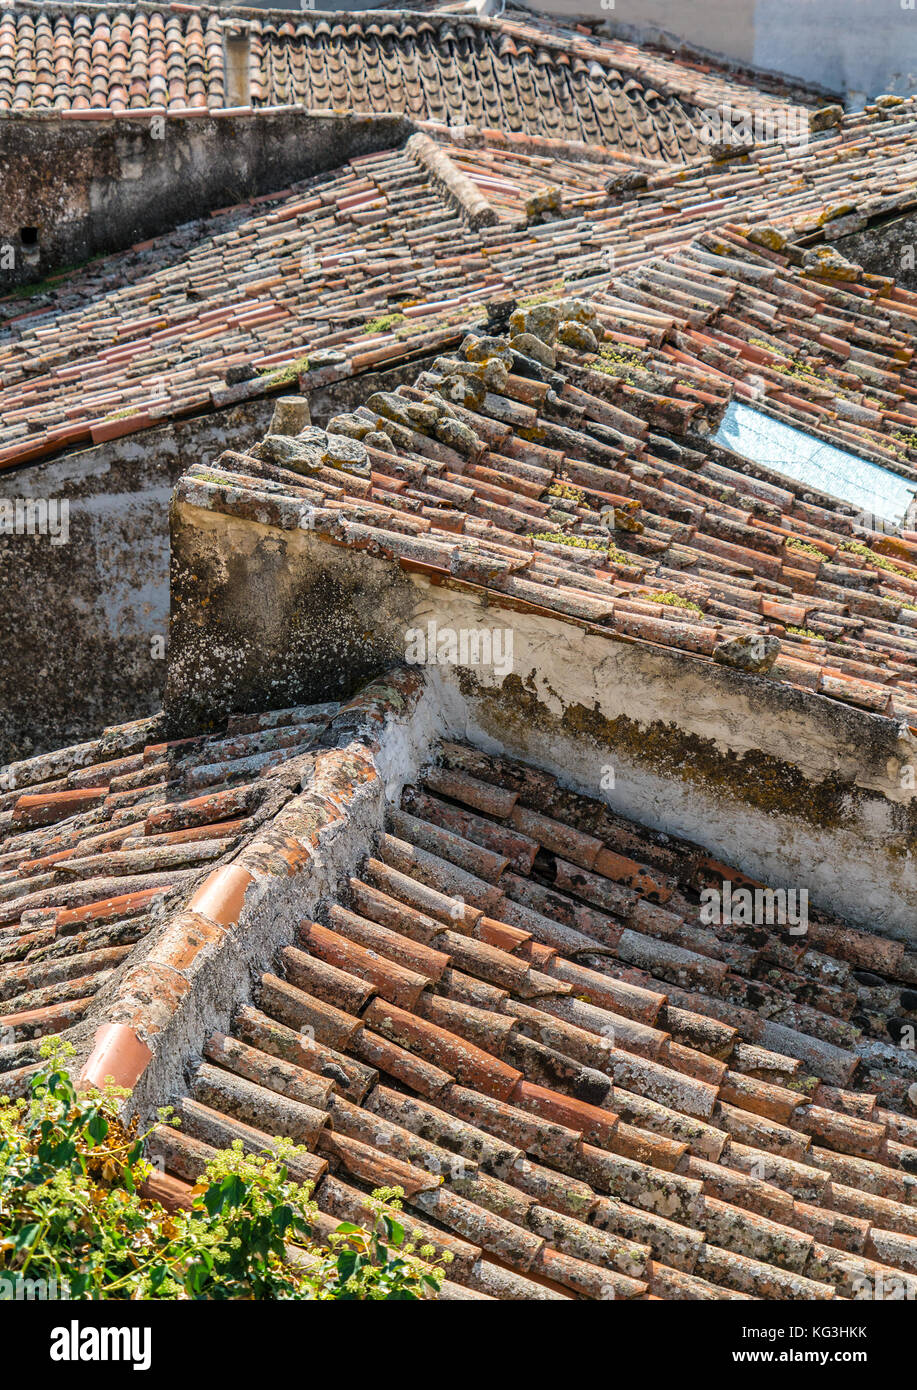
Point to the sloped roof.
(510, 72)
(565, 1076)
(501, 73)
(817, 341)
(861, 168)
(587, 483)
(63, 57)
(249, 295)
(522, 176)
(306, 268)
(101, 841)
(513, 1010)
(827, 182)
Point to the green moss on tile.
(881, 562)
(383, 323)
(555, 289)
(286, 375)
(671, 600)
(568, 492)
(805, 548)
(617, 361)
(577, 542)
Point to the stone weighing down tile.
(322, 274)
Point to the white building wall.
(858, 48)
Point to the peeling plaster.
(784, 784)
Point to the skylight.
(881, 496)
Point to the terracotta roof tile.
(259, 294)
(647, 530)
(514, 1011)
(433, 71)
(566, 1126)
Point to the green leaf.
(229, 1191)
(26, 1235)
(282, 1217)
(96, 1232)
(98, 1127)
(235, 1189)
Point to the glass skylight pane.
(877, 492)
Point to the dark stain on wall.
(887, 248)
(273, 625)
(86, 616)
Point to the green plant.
(567, 491)
(672, 600)
(881, 562)
(553, 291)
(612, 554)
(804, 548)
(578, 542)
(285, 376)
(31, 290)
(72, 1215)
(378, 1264)
(619, 362)
(785, 367)
(383, 323)
(51, 282)
(629, 356)
(804, 632)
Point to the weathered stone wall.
(262, 620)
(86, 613)
(87, 619)
(789, 786)
(888, 248)
(74, 187)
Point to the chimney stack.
(236, 63)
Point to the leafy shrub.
(72, 1214)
